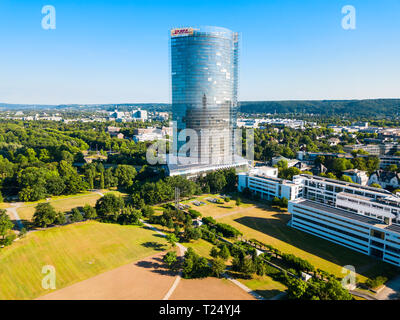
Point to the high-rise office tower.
(204, 72)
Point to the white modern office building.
(361, 218)
(324, 190)
(264, 182)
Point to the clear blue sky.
(117, 51)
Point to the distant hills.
(373, 107)
(360, 108)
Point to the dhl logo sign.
(181, 32)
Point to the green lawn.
(64, 203)
(4, 205)
(77, 252)
(216, 209)
(264, 286)
(270, 226)
(201, 247)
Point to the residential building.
(115, 132)
(358, 176)
(386, 179)
(318, 169)
(333, 141)
(311, 156)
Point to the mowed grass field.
(4, 205)
(215, 209)
(77, 251)
(264, 286)
(270, 226)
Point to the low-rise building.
(333, 141)
(115, 132)
(139, 114)
(152, 134)
(358, 176)
(359, 232)
(290, 162)
(359, 217)
(264, 182)
(160, 116)
(374, 149)
(385, 179)
(386, 161)
(193, 168)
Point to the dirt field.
(209, 289)
(143, 280)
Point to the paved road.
(391, 291)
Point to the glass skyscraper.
(204, 74)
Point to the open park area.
(148, 279)
(96, 260)
(26, 210)
(77, 252)
(270, 225)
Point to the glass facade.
(204, 72)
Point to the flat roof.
(352, 195)
(394, 228)
(348, 184)
(194, 168)
(278, 180)
(349, 215)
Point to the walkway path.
(391, 291)
(362, 295)
(13, 211)
(101, 194)
(243, 287)
(182, 250)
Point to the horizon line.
(139, 103)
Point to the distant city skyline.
(117, 52)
